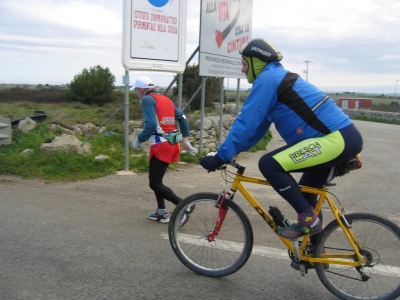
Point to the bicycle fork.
(223, 209)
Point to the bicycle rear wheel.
(232, 246)
(379, 279)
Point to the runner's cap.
(144, 83)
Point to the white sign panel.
(154, 35)
(225, 27)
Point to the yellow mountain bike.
(356, 256)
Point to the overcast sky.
(353, 45)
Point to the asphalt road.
(91, 239)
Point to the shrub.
(93, 86)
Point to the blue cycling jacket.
(298, 109)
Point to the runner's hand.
(136, 145)
(188, 147)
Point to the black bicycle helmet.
(261, 49)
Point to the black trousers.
(157, 170)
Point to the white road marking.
(276, 253)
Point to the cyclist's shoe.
(162, 218)
(184, 217)
(307, 223)
(307, 264)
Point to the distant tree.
(191, 82)
(93, 86)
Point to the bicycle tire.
(380, 239)
(232, 246)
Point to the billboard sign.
(154, 35)
(225, 27)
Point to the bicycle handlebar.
(234, 164)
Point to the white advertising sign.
(225, 27)
(154, 35)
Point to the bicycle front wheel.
(227, 253)
(379, 278)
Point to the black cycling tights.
(157, 169)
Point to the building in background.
(355, 103)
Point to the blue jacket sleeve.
(150, 118)
(254, 121)
(183, 123)
(260, 132)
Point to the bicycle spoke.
(380, 242)
(223, 256)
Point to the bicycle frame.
(338, 259)
(354, 256)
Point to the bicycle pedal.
(303, 270)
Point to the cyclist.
(160, 115)
(319, 135)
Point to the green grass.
(371, 119)
(60, 165)
(68, 166)
(75, 112)
(65, 166)
(72, 167)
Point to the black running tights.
(157, 170)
